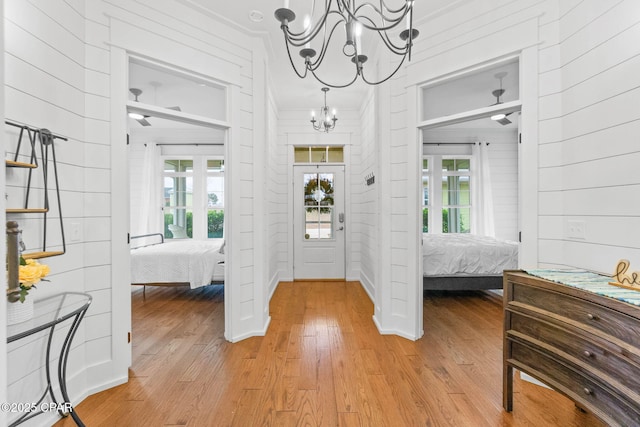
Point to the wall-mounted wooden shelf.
(38, 255)
(14, 164)
(29, 210)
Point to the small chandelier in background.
(326, 122)
(353, 17)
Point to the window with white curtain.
(193, 197)
(215, 198)
(446, 185)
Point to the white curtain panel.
(483, 220)
(149, 217)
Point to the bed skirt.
(461, 283)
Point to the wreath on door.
(318, 192)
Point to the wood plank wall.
(52, 81)
(589, 127)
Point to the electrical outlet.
(576, 229)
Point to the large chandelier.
(353, 17)
(327, 122)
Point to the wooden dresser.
(584, 345)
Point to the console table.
(49, 313)
(580, 337)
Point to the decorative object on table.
(625, 279)
(347, 23)
(22, 276)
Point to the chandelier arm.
(303, 37)
(393, 21)
(302, 76)
(393, 48)
(321, 23)
(404, 9)
(323, 50)
(386, 78)
(332, 85)
(383, 5)
(397, 50)
(390, 45)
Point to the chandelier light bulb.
(307, 30)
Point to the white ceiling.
(290, 91)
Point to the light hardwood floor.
(322, 363)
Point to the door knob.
(341, 228)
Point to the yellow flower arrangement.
(30, 272)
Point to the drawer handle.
(592, 316)
(587, 353)
(588, 391)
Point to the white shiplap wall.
(579, 87)
(590, 123)
(364, 198)
(461, 37)
(277, 193)
(46, 86)
(63, 60)
(183, 37)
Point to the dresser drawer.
(591, 394)
(580, 312)
(595, 355)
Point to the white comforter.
(178, 261)
(467, 254)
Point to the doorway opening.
(177, 134)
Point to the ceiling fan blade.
(504, 121)
(144, 122)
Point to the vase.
(18, 312)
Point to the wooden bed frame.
(461, 283)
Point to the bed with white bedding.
(466, 261)
(180, 261)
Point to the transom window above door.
(319, 154)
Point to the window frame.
(199, 200)
(435, 174)
(216, 174)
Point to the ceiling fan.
(141, 118)
(502, 117)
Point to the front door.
(318, 222)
